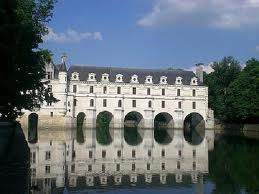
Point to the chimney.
(199, 71)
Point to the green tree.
(22, 26)
(225, 72)
(243, 95)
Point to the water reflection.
(60, 163)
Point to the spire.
(63, 62)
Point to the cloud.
(71, 36)
(206, 67)
(213, 13)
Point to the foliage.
(243, 95)
(22, 26)
(225, 72)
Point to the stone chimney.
(199, 71)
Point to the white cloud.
(71, 36)
(206, 67)
(214, 13)
(257, 48)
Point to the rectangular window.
(91, 89)
(90, 154)
(163, 92)
(74, 102)
(47, 155)
(47, 169)
(74, 88)
(33, 172)
(133, 167)
(193, 92)
(163, 104)
(68, 103)
(91, 102)
(163, 166)
(194, 165)
(133, 103)
(49, 75)
(149, 104)
(117, 167)
(73, 168)
(89, 168)
(163, 153)
(119, 153)
(134, 90)
(33, 157)
(194, 153)
(49, 88)
(119, 103)
(148, 166)
(103, 168)
(148, 91)
(179, 153)
(104, 103)
(118, 90)
(133, 154)
(178, 92)
(178, 165)
(179, 104)
(103, 154)
(105, 89)
(51, 114)
(194, 105)
(149, 153)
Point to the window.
(163, 92)
(49, 75)
(133, 167)
(149, 153)
(194, 165)
(119, 103)
(47, 169)
(118, 90)
(91, 89)
(90, 154)
(103, 168)
(149, 104)
(47, 155)
(194, 153)
(163, 166)
(33, 172)
(148, 91)
(133, 103)
(119, 153)
(103, 154)
(91, 102)
(74, 102)
(133, 154)
(117, 167)
(68, 103)
(74, 88)
(178, 92)
(33, 157)
(51, 114)
(179, 153)
(179, 104)
(104, 102)
(73, 168)
(148, 166)
(134, 90)
(178, 165)
(49, 88)
(105, 89)
(193, 92)
(163, 153)
(163, 104)
(89, 168)
(193, 105)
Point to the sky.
(153, 33)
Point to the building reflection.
(56, 164)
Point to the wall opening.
(104, 127)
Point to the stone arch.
(80, 123)
(133, 122)
(163, 128)
(104, 125)
(33, 119)
(194, 128)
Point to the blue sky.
(153, 33)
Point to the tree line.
(234, 91)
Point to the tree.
(22, 26)
(243, 95)
(225, 72)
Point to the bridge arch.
(163, 128)
(194, 128)
(33, 119)
(80, 123)
(104, 125)
(133, 123)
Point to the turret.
(62, 75)
(199, 71)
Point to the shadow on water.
(103, 128)
(132, 136)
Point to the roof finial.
(63, 58)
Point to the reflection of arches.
(134, 119)
(33, 128)
(163, 128)
(79, 127)
(104, 123)
(194, 128)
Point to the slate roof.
(128, 72)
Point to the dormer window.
(149, 79)
(105, 77)
(134, 79)
(163, 80)
(119, 78)
(178, 81)
(91, 77)
(75, 76)
(194, 81)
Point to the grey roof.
(128, 72)
(63, 67)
